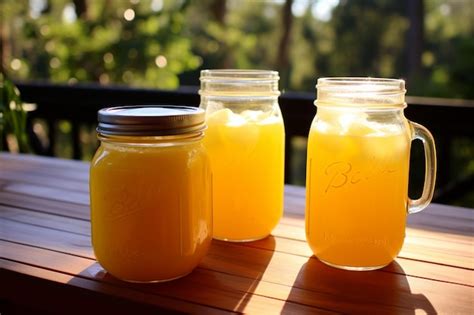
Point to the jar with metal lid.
(245, 140)
(150, 190)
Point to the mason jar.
(150, 190)
(245, 140)
(357, 172)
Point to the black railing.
(447, 119)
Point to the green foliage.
(246, 39)
(118, 42)
(12, 115)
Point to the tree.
(369, 38)
(415, 37)
(82, 9)
(108, 42)
(282, 61)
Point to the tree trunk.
(219, 10)
(82, 9)
(5, 47)
(282, 61)
(47, 8)
(415, 38)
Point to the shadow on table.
(355, 292)
(225, 279)
(237, 269)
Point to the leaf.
(13, 118)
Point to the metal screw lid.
(150, 120)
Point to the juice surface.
(247, 161)
(357, 188)
(150, 209)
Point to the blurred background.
(163, 44)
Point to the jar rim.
(242, 83)
(354, 85)
(239, 75)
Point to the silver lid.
(150, 120)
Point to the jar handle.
(423, 134)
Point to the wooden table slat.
(37, 204)
(28, 177)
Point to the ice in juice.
(247, 162)
(357, 187)
(150, 209)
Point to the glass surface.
(245, 141)
(357, 173)
(151, 209)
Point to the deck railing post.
(76, 140)
(51, 136)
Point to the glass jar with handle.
(357, 172)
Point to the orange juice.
(247, 161)
(357, 186)
(151, 211)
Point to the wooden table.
(47, 263)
